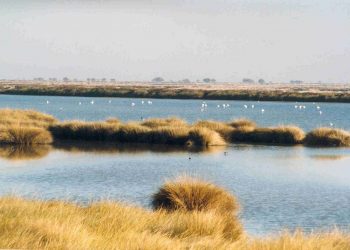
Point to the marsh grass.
(328, 137)
(30, 127)
(189, 194)
(9, 117)
(284, 135)
(167, 122)
(205, 137)
(89, 131)
(19, 135)
(201, 217)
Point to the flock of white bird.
(204, 106)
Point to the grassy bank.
(40, 129)
(188, 214)
(272, 92)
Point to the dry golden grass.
(168, 122)
(10, 117)
(109, 225)
(188, 194)
(201, 136)
(242, 123)
(19, 135)
(89, 131)
(284, 135)
(28, 127)
(222, 128)
(327, 137)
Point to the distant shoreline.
(305, 92)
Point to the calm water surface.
(275, 113)
(278, 187)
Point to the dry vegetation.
(219, 91)
(30, 127)
(197, 219)
(328, 137)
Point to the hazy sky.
(277, 40)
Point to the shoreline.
(312, 92)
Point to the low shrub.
(189, 194)
(19, 135)
(327, 137)
(201, 136)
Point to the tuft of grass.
(31, 118)
(132, 133)
(168, 135)
(242, 123)
(188, 194)
(222, 128)
(88, 131)
(18, 135)
(284, 135)
(168, 122)
(327, 137)
(201, 136)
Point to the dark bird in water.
(225, 153)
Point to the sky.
(137, 40)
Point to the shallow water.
(275, 113)
(278, 187)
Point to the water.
(278, 187)
(275, 113)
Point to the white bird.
(304, 107)
(296, 106)
(142, 101)
(253, 106)
(300, 107)
(110, 101)
(262, 110)
(218, 106)
(79, 103)
(245, 106)
(318, 107)
(227, 105)
(331, 124)
(149, 102)
(47, 102)
(224, 105)
(203, 105)
(320, 112)
(132, 104)
(92, 102)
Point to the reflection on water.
(21, 152)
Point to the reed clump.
(31, 118)
(204, 137)
(89, 131)
(167, 122)
(189, 194)
(19, 135)
(242, 123)
(222, 128)
(284, 135)
(328, 137)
